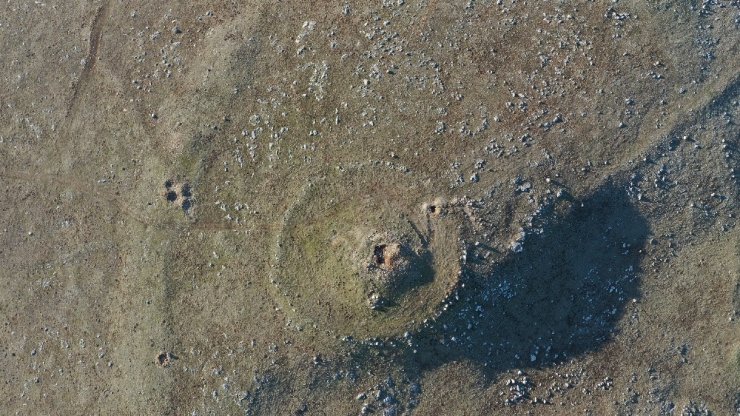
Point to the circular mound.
(361, 254)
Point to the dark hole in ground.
(168, 183)
(186, 192)
(162, 358)
(165, 358)
(171, 196)
(432, 209)
(379, 254)
(186, 205)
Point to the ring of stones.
(363, 253)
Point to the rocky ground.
(387, 207)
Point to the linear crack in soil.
(96, 35)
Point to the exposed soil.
(537, 199)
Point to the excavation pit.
(385, 256)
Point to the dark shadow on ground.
(560, 297)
